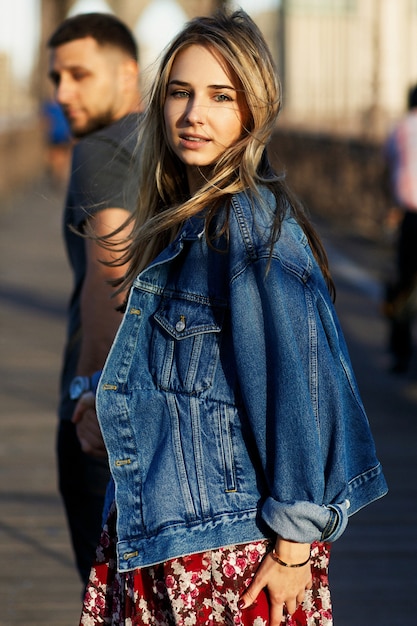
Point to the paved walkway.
(373, 572)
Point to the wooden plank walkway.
(38, 581)
(373, 571)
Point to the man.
(401, 301)
(94, 68)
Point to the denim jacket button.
(180, 326)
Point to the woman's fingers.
(250, 595)
(285, 586)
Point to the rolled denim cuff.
(94, 380)
(305, 522)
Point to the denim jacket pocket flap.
(182, 319)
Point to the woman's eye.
(222, 97)
(180, 94)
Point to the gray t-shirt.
(103, 175)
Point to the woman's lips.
(193, 140)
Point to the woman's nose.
(196, 113)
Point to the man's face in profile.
(89, 86)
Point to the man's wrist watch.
(78, 386)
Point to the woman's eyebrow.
(174, 81)
(222, 87)
(183, 83)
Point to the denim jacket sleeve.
(304, 410)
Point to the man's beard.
(93, 124)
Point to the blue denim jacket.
(228, 403)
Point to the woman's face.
(203, 110)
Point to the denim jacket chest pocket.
(185, 345)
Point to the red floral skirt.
(201, 589)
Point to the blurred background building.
(345, 67)
(347, 64)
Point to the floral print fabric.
(195, 590)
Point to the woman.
(236, 436)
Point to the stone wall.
(335, 177)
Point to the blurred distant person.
(94, 68)
(401, 297)
(58, 142)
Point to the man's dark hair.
(106, 29)
(412, 97)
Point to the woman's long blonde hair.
(163, 197)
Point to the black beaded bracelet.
(275, 557)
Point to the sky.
(20, 22)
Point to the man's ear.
(130, 73)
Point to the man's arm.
(99, 319)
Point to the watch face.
(78, 385)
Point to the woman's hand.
(285, 585)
